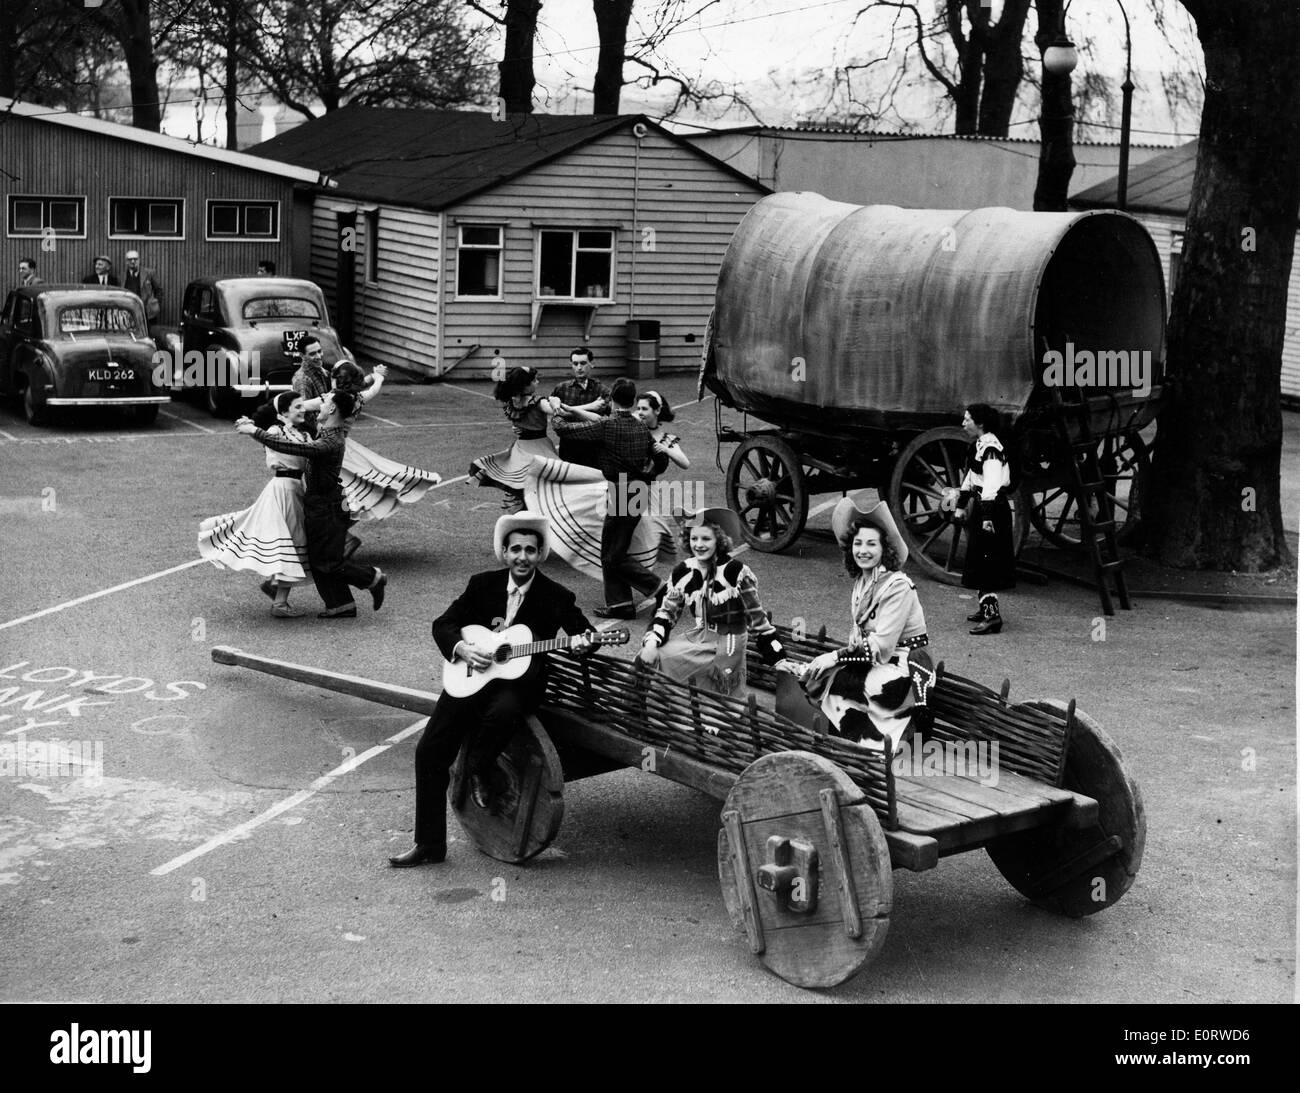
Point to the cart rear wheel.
(1079, 872)
(766, 487)
(805, 869)
(931, 463)
(1054, 507)
(528, 798)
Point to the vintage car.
(239, 337)
(77, 345)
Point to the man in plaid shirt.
(580, 393)
(625, 455)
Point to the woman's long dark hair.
(888, 555)
(516, 381)
(988, 419)
(268, 413)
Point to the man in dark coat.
(103, 274)
(519, 594)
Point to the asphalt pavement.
(233, 848)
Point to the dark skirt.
(990, 558)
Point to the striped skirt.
(267, 538)
(508, 470)
(373, 487)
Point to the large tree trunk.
(1055, 121)
(516, 67)
(611, 24)
(1214, 498)
(230, 71)
(8, 40)
(1003, 68)
(135, 32)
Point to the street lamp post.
(1060, 58)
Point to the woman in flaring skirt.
(529, 415)
(373, 486)
(268, 537)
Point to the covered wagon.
(859, 335)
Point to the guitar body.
(460, 680)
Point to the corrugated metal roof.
(432, 159)
(1163, 184)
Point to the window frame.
(499, 249)
(574, 251)
(79, 200)
(178, 203)
(242, 205)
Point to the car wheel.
(35, 413)
(146, 415)
(217, 400)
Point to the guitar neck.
(539, 647)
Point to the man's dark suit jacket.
(547, 608)
(93, 279)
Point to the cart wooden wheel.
(1079, 872)
(528, 798)
(1054, 505)
(766, 487)
(805, 869)
(931, 463)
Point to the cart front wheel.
(766, 487)
(1077, 872)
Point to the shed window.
(148, 217)
(478, 260)
(576, 265)
(36, 216)
(244, 220)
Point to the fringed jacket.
(887, 617)
(724, 599)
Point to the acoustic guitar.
(513, 651)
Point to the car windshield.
(281, 307)
(98, 319)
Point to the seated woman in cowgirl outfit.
(721, 593)
(870, 689)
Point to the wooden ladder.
(1096, 512)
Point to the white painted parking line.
(823, 507)
(457, 387)
(104, 592)
(242, 831)
(396, 424)
(7, 436)
(184, 421)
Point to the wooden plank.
(914, 852)
(839, 862)
(532, 784)
(744, 880)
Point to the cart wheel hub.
(764, 490)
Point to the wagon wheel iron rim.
(766, 489)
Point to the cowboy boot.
(992, 621)
(978, 613)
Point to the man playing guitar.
(521, 595)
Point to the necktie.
(513, 602)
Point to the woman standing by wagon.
(721, 593)
(985, 491)
(867, 688)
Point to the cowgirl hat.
(522, 521)
(726, 521)
(864, 507)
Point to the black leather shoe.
(418, 855)
(623, 611)
(268, 588)
(377, 589)
(347, 611)
(480, 792)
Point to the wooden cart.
(859, 335)
(813, 825)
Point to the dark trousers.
(493, 715)
(326, 525)
(621, 573)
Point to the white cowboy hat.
(523, 521)
(864, 506)
(726, 520)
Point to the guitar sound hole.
(502, 654)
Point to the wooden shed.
(454, 240)
(1159, 195)
(74, 187)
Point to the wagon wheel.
(931, 463)
(805, 869)
(1080, 872)
(1054, 507)
(765, 486)
(528, 798)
